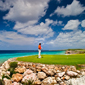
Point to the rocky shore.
(42, 74)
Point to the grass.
(55, 59)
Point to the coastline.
(57, 74)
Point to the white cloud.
(69, 40)
(41, 30)
(75, 8)
(83, 23)
(72, 25)
(16, 39)
(6, 5)
(26, 10)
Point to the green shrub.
(1, 82)
(12, 71)
(13, 64)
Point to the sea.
(6, 54)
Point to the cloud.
(27, 10)
(7, 4)
(71, 25)
(75, 8)
(69, 40)
(83, 23)
(14, 38)
(41, 30)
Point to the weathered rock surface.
(15, 83)
(17, 77)
(7, 81)
(29, 77)
(20, 69)
(37, 82)
(60, 74)
(27, 72)
(77, 81)
(49, 81)
(71, 73)
(41, 75)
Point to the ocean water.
(5, 55)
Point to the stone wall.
(41, 74)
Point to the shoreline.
(57, 74)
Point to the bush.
(12, 71)
(13, 65)
(1, 82)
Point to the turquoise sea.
(4, 55)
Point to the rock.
(60, 74)
(71, 73)
(29, 77)
(15, 83)
(51, 67)
(27, 72)
(41, 75)
(50, 72)
(7, 81)
(44, 69)
(78, 71)
(58, 71)
(38, 70)
(83, 73)
(49, 81)
(58, 79)
(72, 68)
(62, 83)
(6, 65)
(17, 77)
(56, 68)
(8, 72)
(76, 81)
(37, 82)
(67, 77)
(20, 69)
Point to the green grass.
(55, 59)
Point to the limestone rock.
(44, 69)
(29, 77)
(15, 83)
(50, 72)
(7, 81)
(67, 77)
(58, 79)
(6, 65)
(37, 82)
(49, 81)
(71, 73)
(72, 68)
(41, 75)
(83, 73)
(27, 72)
(60, 74)
(17, 77)
(20, 69)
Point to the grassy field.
(56, 59)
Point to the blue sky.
(57, 24)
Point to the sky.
(56, 24)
